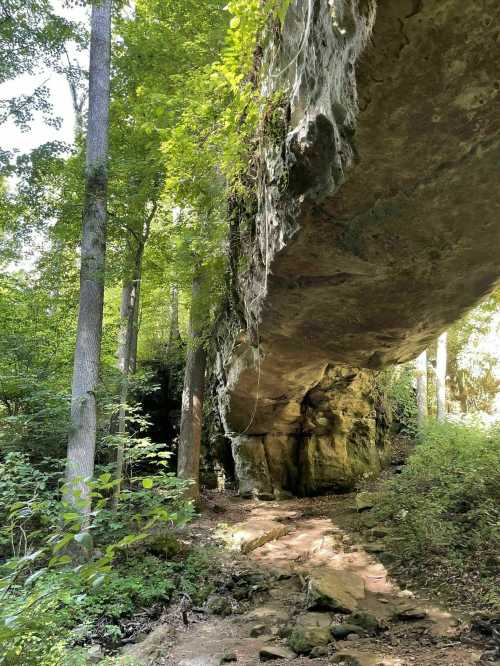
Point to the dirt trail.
(297, 556)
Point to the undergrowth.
(444, 512)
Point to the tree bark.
(124, 351)
(441, 366)
(82, 436)
(127, 352)
(174, 335)
(421, 367)
(188, 463)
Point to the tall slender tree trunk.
(441, 366)
(82, 436)
(188, 464)
(174, 335)
(421, 366)
(124, 349)
(127, 354)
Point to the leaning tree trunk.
(82, 436)
(188, 464)
(421, 367)
(441, 365)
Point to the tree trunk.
(188, 464)
(441, 364)
(421, 367)
(127, 354)
(124, 349)
(174, 335)
(82, 436)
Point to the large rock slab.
(309, 631)
(335, 590)
(378, 214)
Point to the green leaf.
(59, 560)
(84, 539)
(98, 580)
(63, 542)
(34, 576)
(147, 483)
(71, 516)
(10, 621)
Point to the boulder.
(258, 630)
(319, 651)
(411, 614)
(330, 589)
(345, 660)
(273, 652)
(366, 621)
(95, 654)
(365, 501)
(341, 631)
(309, 631)
(219, 605)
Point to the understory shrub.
(34, 491)
(444, 509)
(68, 575)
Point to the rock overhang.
(388, 226)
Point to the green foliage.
(474, 357)
(397, 386)
(444, 509)
(27, 504)
(75, 573)
(32, 36)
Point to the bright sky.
(11, 137)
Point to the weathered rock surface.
(378, 216)
(273, 652)
(258, 530)
(309, 631)
(342, 439)
(335, 590)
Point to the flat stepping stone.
(274, 652)
(411, 614)
(331, 589)
(255, 533)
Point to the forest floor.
(279, 566)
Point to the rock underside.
(377, 226)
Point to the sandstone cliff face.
(344, 432)
(378, 218)
(343, 439)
